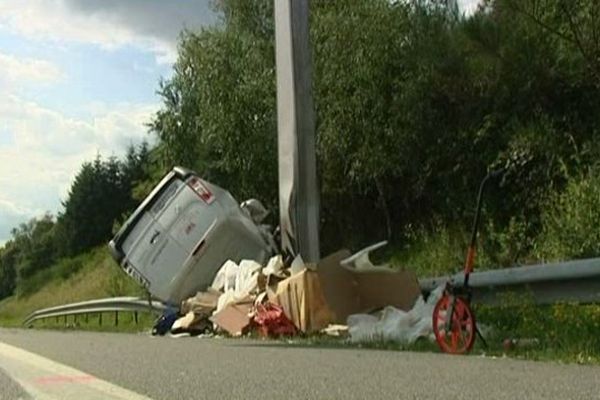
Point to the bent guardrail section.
(114, 304)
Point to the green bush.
(61, 271)
(432, 252)
(570, 221)
(505, 247)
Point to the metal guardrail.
(572, 281)
(114, 304)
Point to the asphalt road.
(193, 368)
(9, 389)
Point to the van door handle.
(153, 238)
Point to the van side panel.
(231, 239)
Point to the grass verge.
(96, 276)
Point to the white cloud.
(40, 130)
(152, 25)
(49, 148)
(14, 70)
(11, 215)
(8, 207)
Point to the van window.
(137, 232)
(160, 203)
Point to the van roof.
(115, 244)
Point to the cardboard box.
(348, 291)
(302, 300)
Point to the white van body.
(182, 233)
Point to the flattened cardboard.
(387, 288)
(202, 302)
(234, 318)
(350, 291)
(339, 287)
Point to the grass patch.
(566, 332)
(432, 253)
(94, 275)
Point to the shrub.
(570, 221)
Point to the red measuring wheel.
(453, 324)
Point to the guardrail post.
(135, 317)
(65, 320)
(87, 318)
(116, 318)
(100, 319)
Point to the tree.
(98, 195)
(219, 115)
(8, 273)
(415, 102)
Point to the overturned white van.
(182, 233)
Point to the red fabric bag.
(272, 321)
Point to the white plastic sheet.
(236, 281)
(274, 266)
(225, 278)
(394, 324)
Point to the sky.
(78, 78)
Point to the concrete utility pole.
(298, 191)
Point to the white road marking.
(45, 379)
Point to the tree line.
(415, 102)
(101, 193)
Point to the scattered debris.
(275, 267)
(336, 330)
(164, 322)
(192, 323)
(276, 300)
(302, 299)
(272, 321)
(202, 302)
(351, 291)
(234, 318)
(394, 324)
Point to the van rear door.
(154, 254)
(182, 218)
(190, 215)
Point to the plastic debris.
(394, 324)
(336, 330)
(274, 267)
(238, 282)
